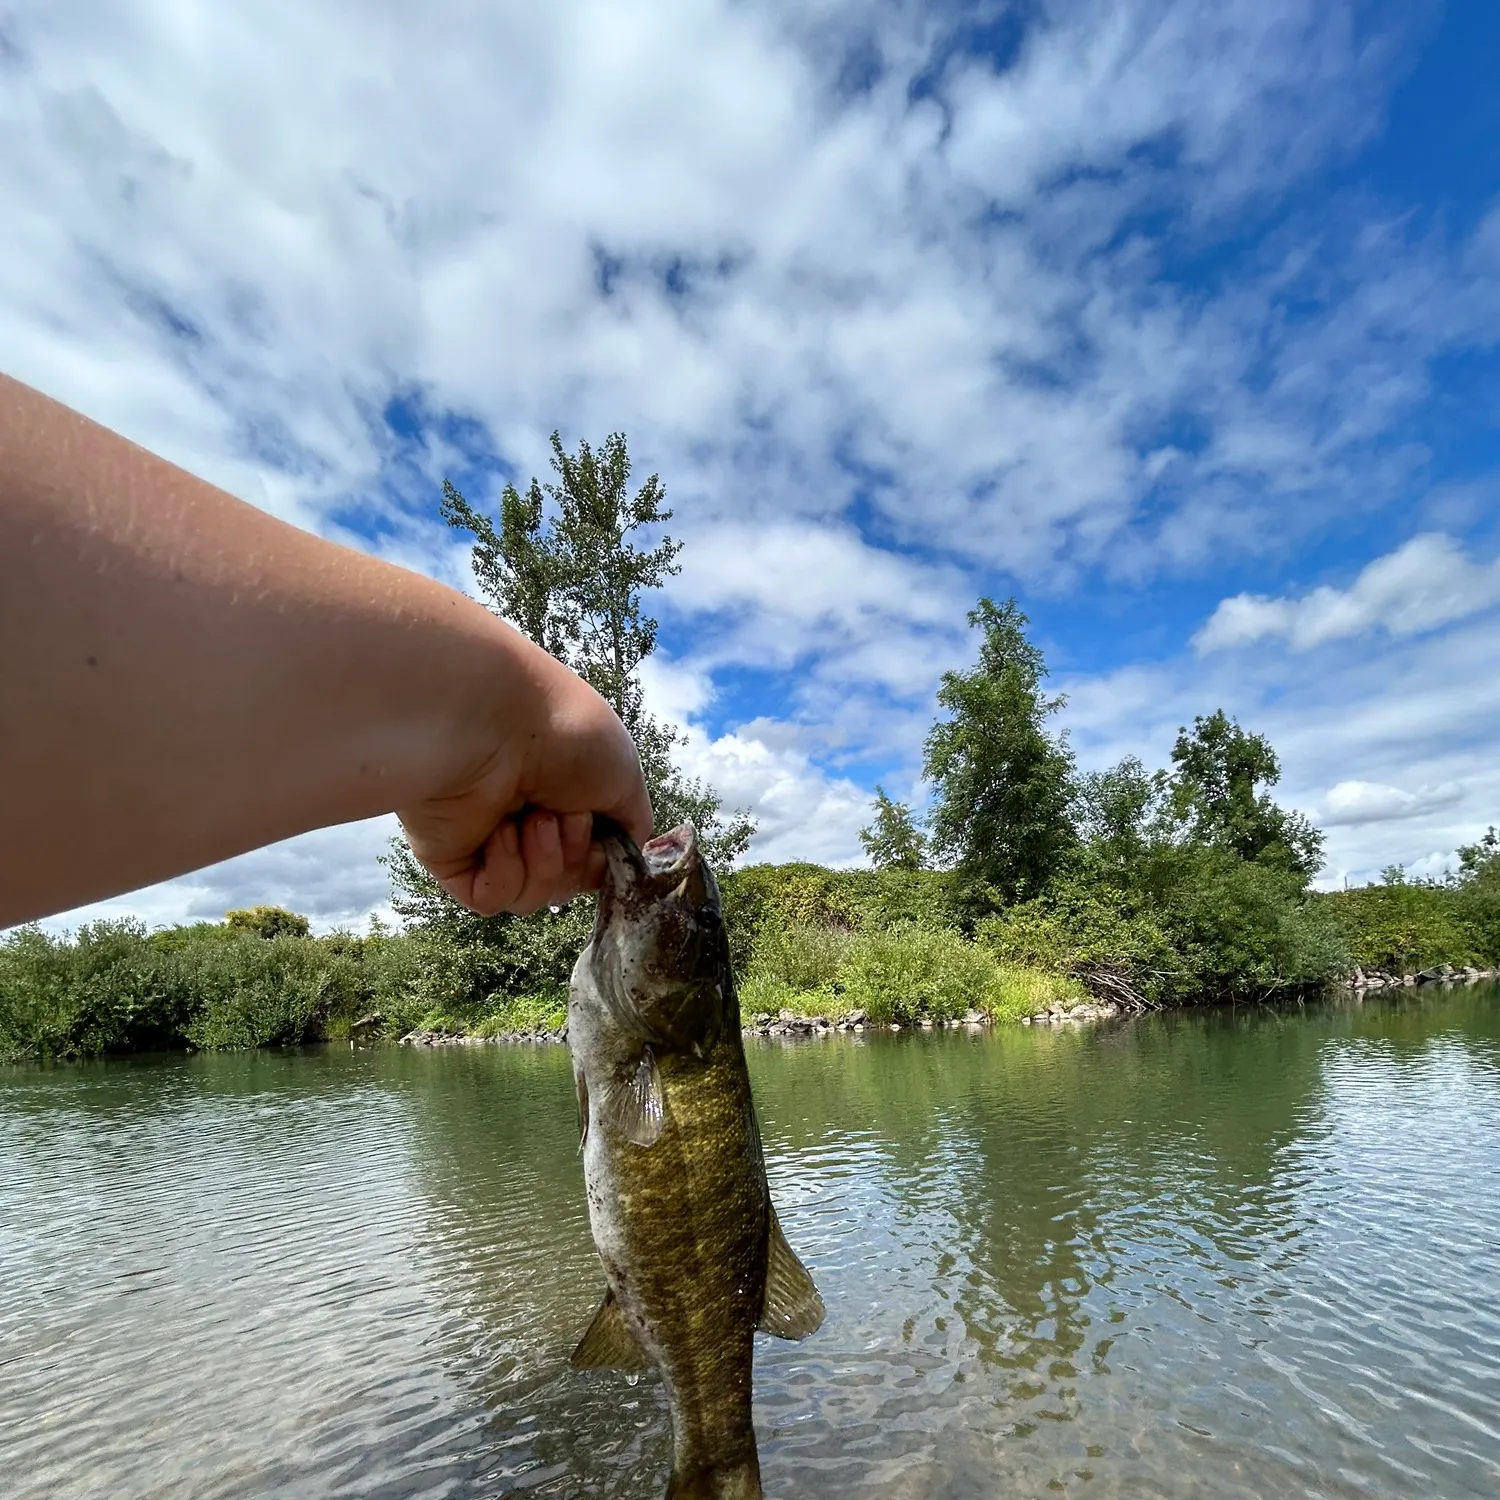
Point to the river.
(1242, 1253)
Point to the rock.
(786, 1015)
(820, 1023)
(366, 1022)
(974, 1018)
(763, 1019)
(1430, 976)
(895, 1026)
(856, 1017)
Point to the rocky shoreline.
(1377, 979)
(788, 1024)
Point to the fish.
(694, 1258)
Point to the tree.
(1003, 785)
(1121, 819)
(1216, 798)
(572, 578)
(1478, 894)
(1480, 861)
(268, 922)
(893, 841)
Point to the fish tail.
(734, 1481)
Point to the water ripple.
(1237, 1254)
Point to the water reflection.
(1249, 1253)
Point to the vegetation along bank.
(1026, 888)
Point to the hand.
(514, 830)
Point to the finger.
(595, 865)
(577, 833)
(500, 879)
(542, 854)
(634, 812)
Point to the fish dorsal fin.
(609, 1344)
(638, 1109)
(793, 1309)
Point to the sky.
(1177, 321)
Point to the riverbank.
(790, 1024)
(818, 945)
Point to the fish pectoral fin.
(638, 1109)
(609, 1343)
(583, 1108)
(792, 1309)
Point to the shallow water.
(1250, 1253)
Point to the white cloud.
(802, 811)
(332, 876)
(1350, 803)
(885, 345)
(1422, 585)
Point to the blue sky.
(1178, 321)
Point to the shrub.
(1089, 936)
(912, 972)
(1404, 927)
(257, 992)
(511, 1013)
(1245, 928)
(1018, 991)
(801, 956)
(769, 897)
(268, 922)
(107, 990)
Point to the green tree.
(1003, 785)
(563, 566)
(1480, 861)
(1478, 894)
(268, 922)
(1216, 797)
(893, 841)
(1122, 820)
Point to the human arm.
(183, 677)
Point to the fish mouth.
(659, 865)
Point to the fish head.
(658, 958)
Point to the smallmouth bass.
(681, 1215)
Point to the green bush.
(912, 973)
(1248, 929)
(769, 898)
(107, 990)
(268, 922)
(512, 1013)
(1210, 926)
(1401, 928)
(1090, 936)
(256, 992)
(801, 956)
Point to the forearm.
(185, 677)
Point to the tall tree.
(1217, 798)
(893, 841)
(1003, 784)
(571, 575)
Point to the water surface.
(1250, 1253)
